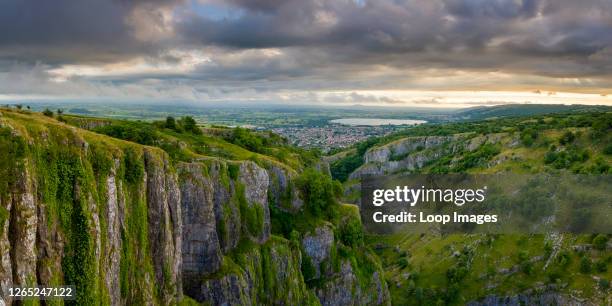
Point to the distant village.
(333, 135)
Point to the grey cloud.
(260, 5)
(324, 44)
(416, 31)
(65, 31)
(491, 9)
(354, 97)
(346, 30)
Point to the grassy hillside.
(455, 269)
(183, 140)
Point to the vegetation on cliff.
(104, 212)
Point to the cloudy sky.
(342, 52)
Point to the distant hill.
(514, 110)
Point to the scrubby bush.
(133, 166)
(250, 141)
(141, 134)
(402, 263)
(532, 202)
(600, 242)
(456, 274)
(342, 168)
(566, 158)
(564, 259)
(477, 158)
(600, 167)
(601, 265)
(47, 112)
(233, 171)
(523, 256)
(554, 275)
(171, 123)
(319, 191)
(527, 267)
(601, 126)
(188, 124)
(351, 233)
(528, 136)
(567, 138)
(585, 265)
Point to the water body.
(376, 121)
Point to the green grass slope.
(456, 269)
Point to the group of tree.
(49, 113)
(184, 124)
(319, 191)
(138, 132)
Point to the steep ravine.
(128, 226)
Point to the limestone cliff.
(127, 225)
(412, 153)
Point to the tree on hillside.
(242, 137)
(319, 191)
(600, 242)
(170, 123)
(190, 125)
(567, 138)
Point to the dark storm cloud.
(67, 31)
(491, 9)
(321, 42)
(444, 33)
(376, 25)
(260, 5)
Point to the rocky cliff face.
(411, 153)
(103, 216)
(404, 154)
(128, 226)
(341, 279)
(318, 248)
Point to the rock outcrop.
(317, 247)
(165, 224)
(411, 153)
(201, 248)
(255, 182)
(283, 193)
(347, 289)
(404, 154)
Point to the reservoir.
(376, 121)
